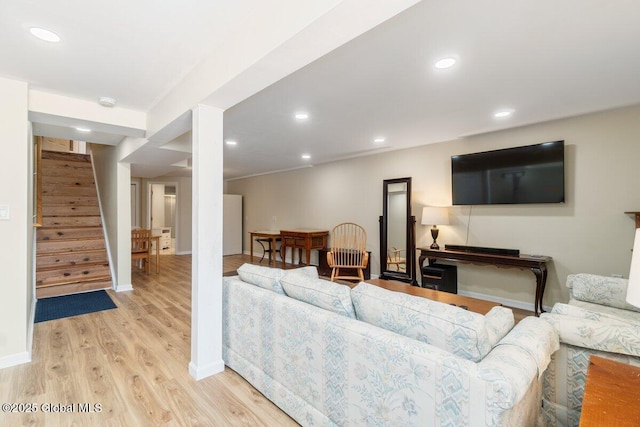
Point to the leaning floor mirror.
(397, 244)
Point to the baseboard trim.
(504, 301)
(124, 288)
(31, 326)
(201, 372)
(15, 359)
(183, 253)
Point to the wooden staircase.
(71, 255)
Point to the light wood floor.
(133, 361)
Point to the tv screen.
(529, 174)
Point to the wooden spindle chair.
(348, 251)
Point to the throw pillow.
(609, 291)
(319, 292)
(459, 331)
(264, 277)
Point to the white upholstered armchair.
(596, 321)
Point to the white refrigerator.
(232, 224)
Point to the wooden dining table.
(267, 234)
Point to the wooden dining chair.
(395, 258)
(348, 251)
(141, 248)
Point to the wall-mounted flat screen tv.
(529, 174)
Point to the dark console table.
(537, 265)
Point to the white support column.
(123, 252)
(206, 270)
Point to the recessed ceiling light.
(378, 140)
(306, 156)
(230, 142)
(43, 34)
(502, 114)
(81, 129)
(302, 116)
(445, 63)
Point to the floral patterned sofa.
(597, 320)
(329, 355)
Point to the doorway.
(162, 214)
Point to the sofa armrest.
(603, 290)
(522, 355)
(594, 330)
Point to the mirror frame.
(409, 274)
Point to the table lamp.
(633, 288)
(435, 215)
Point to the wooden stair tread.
(52, 171)
(79, 200)
(68, 227)
(69, 239)
(72, 288)
(70, 214)
(75, 273)
(68, 282)
(73, 266)
(71, 251)
(88, 239)
(59, 155)
(57, 227)
(54, 189)
(89, 251)
(70, 259)
(74, 216)
(75, 221)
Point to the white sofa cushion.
(603, 290)
(302, 285)
(264, 277)
(310, 270)
(462, 332)
(595, 330)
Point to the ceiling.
(542, 60)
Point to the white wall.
(232, 224)
(588, 233)
(183, 216)
(157, 206)
(15, 251)
(114, 188)
(183, 209)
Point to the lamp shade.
(435, 215)
(633, 288)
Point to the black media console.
(483, 250)
(537, 264)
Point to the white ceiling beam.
(245, 65)
(47, 104)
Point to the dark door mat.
(72, 305)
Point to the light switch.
(4, 212)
